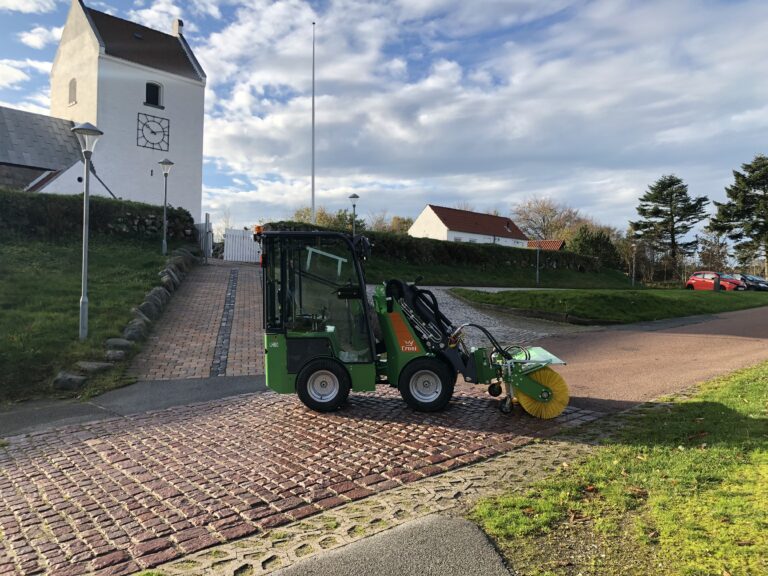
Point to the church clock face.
(153, 132)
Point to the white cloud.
(28, 6)
(159, 16)
(14, 72)
(444, 100)
(39, 37)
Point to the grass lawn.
(620, 306)
(40, 298)
(378, 270)
(682, 488)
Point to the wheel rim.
(323, 386)
(425, 386)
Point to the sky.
(448, 102)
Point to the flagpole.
(314, 220)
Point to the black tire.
(323, 385)
(426, 384)
(689, 287)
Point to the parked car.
(705, 280)
(752, 282)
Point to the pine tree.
(744, 217)
(668, 213)
(597, 244)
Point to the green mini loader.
(323, 338)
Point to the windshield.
(313, 286)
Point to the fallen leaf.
(745, 543)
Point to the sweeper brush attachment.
(557, 402)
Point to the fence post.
(206, 242)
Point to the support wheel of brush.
(558, 401)
(426, 384)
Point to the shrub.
(56, 216)
(404, 248)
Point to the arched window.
(154, 94)
(73, 91)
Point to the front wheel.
(323, 385)
(426, 385)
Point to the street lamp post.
(353, 198)
(166, 166)
(87, 135)
(634, 253)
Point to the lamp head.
(354, 198)
(166, 166)
(87, 135)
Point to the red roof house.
(441, 223)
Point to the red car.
(706, 281)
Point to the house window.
(153, 95)
(72, 91)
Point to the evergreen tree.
(668, 213)
(744, 217)
(596, 243)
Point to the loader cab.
(315, 307)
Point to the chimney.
(177, 26)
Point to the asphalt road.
(431, 546)
(144, 396)
(613, 368)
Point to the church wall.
(131, 171)
(76, 57)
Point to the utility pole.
(314, 219)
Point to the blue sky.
(487, 102)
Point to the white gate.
(239, 246)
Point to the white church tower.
(145, 90)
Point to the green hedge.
(55, 216)
(404, 248)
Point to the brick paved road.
(184, 343)
(120, 495)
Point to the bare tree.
(545, 219)
(379, 221)
(224, 222)
(464, 205)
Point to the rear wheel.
(689, 287)
(426, 385)
(323, 385)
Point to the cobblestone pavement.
(211, 327)
(120, 495)
(453, 492)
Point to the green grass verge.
(621, 307)
(39, 307)
(379, 270)
(681, 489)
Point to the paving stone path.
(451, 492)
(120, 495)
(212, 327)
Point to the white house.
(143, 88)
(440, 223)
